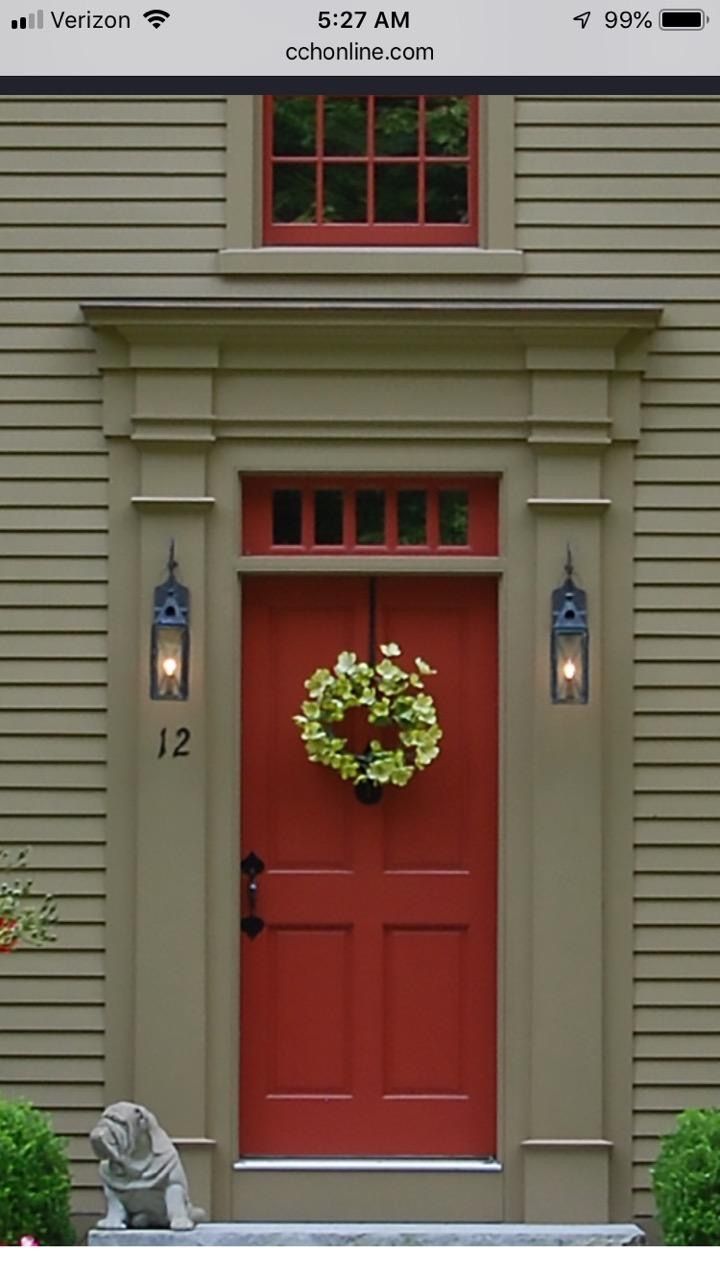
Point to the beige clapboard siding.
(102, 197)
(133, 161)
(22, 240)
(63, 1019)
(625, 109)
(30, 1045)
(46, 338)
(51, 137)
(62, 218)
(94, 110)
(633, 180)
(610, 214)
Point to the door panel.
(368, 1002)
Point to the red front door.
(369, 999)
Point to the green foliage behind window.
(340, 133)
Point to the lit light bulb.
(170, 666)
(568, 670)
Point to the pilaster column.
(170, 1023)
(566, 1153)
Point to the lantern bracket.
(171, 601)
(569, 602)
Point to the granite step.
(376, 1233)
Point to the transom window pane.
(370, 517)
(412, 517)
(454, 519)
(329, 518)
(287, 517)
(384, 169)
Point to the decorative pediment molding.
(553, 336)
(563, 378)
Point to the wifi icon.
(156, 17)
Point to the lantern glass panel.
(570, 666)
(170, 661)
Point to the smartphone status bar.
(300, 38)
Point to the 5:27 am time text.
(355, 18)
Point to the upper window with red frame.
(371, 170)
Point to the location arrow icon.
(583, 18)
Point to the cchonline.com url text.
(355, 52)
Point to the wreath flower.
(391, 696)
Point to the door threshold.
(370, 1164)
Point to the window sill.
(375, 261)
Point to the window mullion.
(320, 155)
(371, 160)
(422, 151)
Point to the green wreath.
(392, 696)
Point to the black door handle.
(252, 867)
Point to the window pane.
(345, 192)
(454, 518)
(294, 193)
(329, 517)
(370, 517)
(345, 127)
(294, 126)
(287, 517)
(412, 518)
(396, 126)
(446, 126)
(396, 194)
(446, 197)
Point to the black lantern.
(170, 642)
(569, 641)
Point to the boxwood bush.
(34, 1178)
(686, 1180)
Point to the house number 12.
(181, 748)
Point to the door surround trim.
(188, 408)
(468, 566)
(354, 1164)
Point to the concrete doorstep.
(375, 1233)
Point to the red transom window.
(416, 516)
(371, 170)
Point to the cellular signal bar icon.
(33, 22)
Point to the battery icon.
(682, 19)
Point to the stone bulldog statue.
(144, 1181)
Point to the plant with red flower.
(9, 933)
(20, 922)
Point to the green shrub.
(34, 1178)
(686, 1180)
